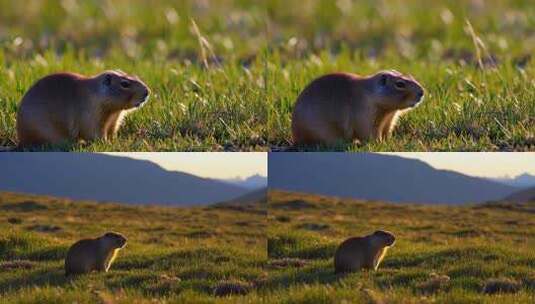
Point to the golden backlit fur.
(94, 254)
(366, 252)
(345, 107)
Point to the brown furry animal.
(367, 252)
(68, 107)
(93, 254)
(347, 107)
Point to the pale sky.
(208, 164)
(485, 164)
(236, 164)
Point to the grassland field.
(225, 74)
(173, 255)
(443, 254)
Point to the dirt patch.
(314, 226)
(227, 288)
(501, 285)
(466, 233)
(16, 264)
(294, 205)
(201, 234)
(14, 220)
(287, 262)
(283, 219)
(434, 284)
(27, 206)
(45, 228)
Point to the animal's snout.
(420, 94)
(146, 94)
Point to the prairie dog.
(69, 107)
(93, 254)
(362, 252)
(347, 107)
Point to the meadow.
(173, 255)
(225, 74)
(470, 254)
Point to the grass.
(225, 74)
(173, 254)
(470, 254)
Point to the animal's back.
(54, 89)
(81, 257)
(49, 106)
(322, 111)
(350, 255)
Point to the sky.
(486, 164)
(208, 164)
(231, 165)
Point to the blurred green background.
(161, 30)
(225, 74)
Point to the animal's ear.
(107, 80)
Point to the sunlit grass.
(179, 254)
(468, 246)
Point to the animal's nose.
(420, 94)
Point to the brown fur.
(68, 107)
(366, 252)
(93, 254)
(347, 107)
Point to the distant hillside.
(523, 196)
(253, 197)
(103, 177)
(521, 181)
(252, 182)
(378, 177)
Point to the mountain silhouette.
(524, 180)
(108, 178)
(252, 182)
(378, 177)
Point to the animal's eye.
(125, 84)
(400, 84)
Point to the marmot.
(93, 254)
(362, 252)
(67, 107)
(347, 107)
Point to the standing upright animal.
(96, 254)
(366, 252)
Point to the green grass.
(260, 55)
(181, 255)
(173, 254)
(471, 245)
